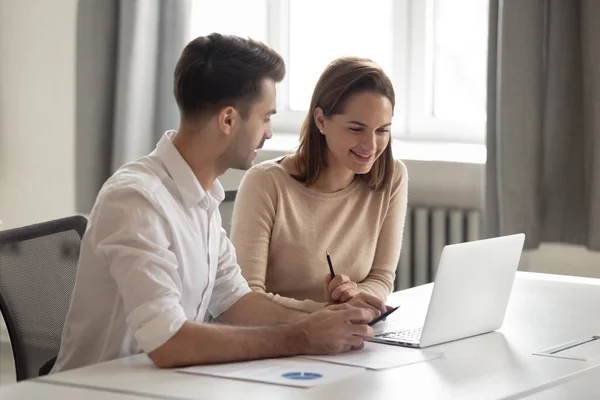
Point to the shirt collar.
(191, 191)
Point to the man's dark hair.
(217, 70)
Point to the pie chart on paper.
(302, 376)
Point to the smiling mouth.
(362, 156)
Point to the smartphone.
(383, 316)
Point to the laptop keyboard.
(409, 335)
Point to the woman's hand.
(342, 289)
(339, 289)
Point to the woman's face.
(357, 137)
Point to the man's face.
(251, 133)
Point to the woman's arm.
(380, 280)
(254, 215)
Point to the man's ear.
(319, 118)
(226, 119)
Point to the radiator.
(426, 232)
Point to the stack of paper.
(309, 371)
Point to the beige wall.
(562, 260)
(37, 110)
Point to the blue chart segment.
(302, 376)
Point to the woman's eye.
(356, 129)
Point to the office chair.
(38, 266)
(226, 209)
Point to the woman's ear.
(319, 118)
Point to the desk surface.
(543, 311)
(34, 390)
(583, 387)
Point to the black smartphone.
(383, 316)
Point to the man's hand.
(335, 329)
(339, 289)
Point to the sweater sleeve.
(380, 280)
(254, 215)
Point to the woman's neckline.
(314, 192)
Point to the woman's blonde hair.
(341, 79)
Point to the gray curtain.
(543, 133)
(126, 55)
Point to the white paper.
(281, 371)
(379, 356)
(582, 349)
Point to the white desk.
(543, 311)
(585, 387)
(32, 390)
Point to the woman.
(340, 192)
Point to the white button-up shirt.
(154, 255)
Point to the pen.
(330, 265)
(383, 316)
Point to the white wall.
(37, 110)
(431, 183)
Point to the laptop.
(469, 297)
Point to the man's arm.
(255, 309)
(129, 230)
(332, 330)
(196, 344)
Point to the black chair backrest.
(38, 266)
(226, 209)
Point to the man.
(155, 259)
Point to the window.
(314, 40)
(435, 52)
(447, 57)
(459, 60)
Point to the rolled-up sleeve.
(132, 234)
(230, 285)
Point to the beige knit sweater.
(281, 230)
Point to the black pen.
(383, 316)
(330, 265)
